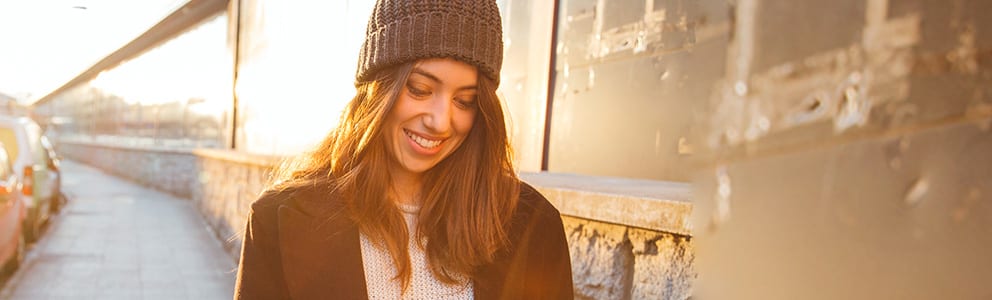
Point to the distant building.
(10, 106)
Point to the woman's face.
(432, 115)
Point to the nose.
(439, 114)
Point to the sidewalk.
(118, 240)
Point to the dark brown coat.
(299, 244)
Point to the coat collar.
(320, 249)
(322, 256)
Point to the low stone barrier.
(628, 239)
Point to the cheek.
(402, 109)
(463, 123)
(391, 128)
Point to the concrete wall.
(623, 246)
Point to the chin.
(419, 167)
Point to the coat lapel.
(321, 254)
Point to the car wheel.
(58, 203)
(32, 230)
(15, 260)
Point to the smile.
(423, 142)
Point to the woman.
(413, 195)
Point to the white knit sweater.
(380, 271)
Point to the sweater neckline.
(408, 208)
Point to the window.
(176, 95)
(9, 139)
(296, 71)
(629, 77)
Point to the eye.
(417, 92)
(465, 103)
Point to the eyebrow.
(434, 78)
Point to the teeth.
(422, 141)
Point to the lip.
(417, 148)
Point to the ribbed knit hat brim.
(404, 31)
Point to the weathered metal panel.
(901, 216)
(979, 10)
(890, 79)
(631, 77)
(626, 118)
(945, 21)
(790, 30)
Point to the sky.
(45, 43)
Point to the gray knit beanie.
(400, 31)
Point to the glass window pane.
(523, 87)
(629, 78)
(296, 70)
(178, 94)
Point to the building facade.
(707, 148)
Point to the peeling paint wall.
(630, 77)
(846, 153)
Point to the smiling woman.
(415, 190)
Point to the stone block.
(602, 261)
(662, 265)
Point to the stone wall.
(610, 259)
(620, 262)
(232, 181)
(169, 170)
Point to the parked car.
(56, 160)
(12, 213)
(38, 172)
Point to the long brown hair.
(469, 196)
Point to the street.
(118, 240)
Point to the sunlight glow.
(45, 43)
(195, 61)
(297, 71)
